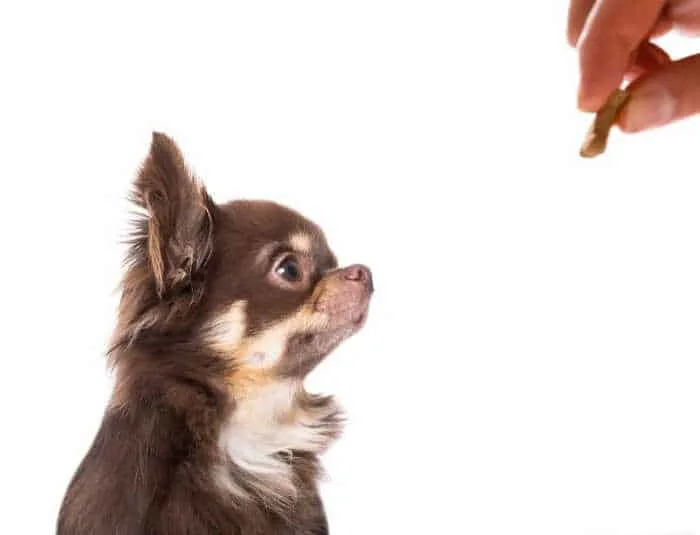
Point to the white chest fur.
(271, 421)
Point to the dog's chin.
(307, 350)
(349, 323)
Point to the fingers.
(662, 27)
(650, 56)
(617, 29)
(664, 95)
(578, 13)
(647, 57)
(685, 15)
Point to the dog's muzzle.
(345, 293)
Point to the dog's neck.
(269, 426)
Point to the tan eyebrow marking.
(300, 242)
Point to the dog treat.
(597, 137)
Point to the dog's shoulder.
(136, 460)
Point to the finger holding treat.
(608, 45)
(663, 96)
(613, 38)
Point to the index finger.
(617, 28)
(578, 13)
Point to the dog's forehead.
(268, 223)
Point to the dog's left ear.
(176, 237)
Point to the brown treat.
(597, 137)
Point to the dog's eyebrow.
(301, 242)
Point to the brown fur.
(183, 446)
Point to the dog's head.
(251, 282)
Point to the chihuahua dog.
(225, 309)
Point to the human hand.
(613, 40)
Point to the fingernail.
(646, 110)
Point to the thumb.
(663, 95)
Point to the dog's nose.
(360, 273)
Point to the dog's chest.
(268, 437)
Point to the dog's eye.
(289, 269)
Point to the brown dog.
(225, 309)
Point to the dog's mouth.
(347, 322)
(345, 295)
(350, 318)
(359, 321)
(346, 307)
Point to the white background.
(531, 361)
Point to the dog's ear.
(174, 239)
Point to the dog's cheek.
(226, 335)
(283, 341)
(225, 332)
(266, 350)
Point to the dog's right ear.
(174, 239)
